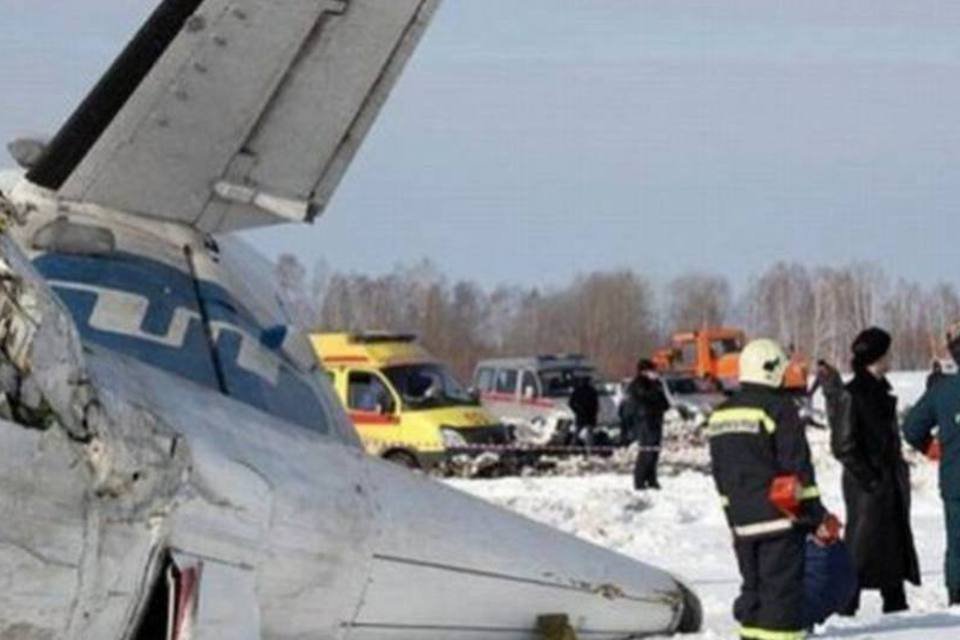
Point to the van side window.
(528, 386)
(484, 381)
(367, 392)
(507, 381)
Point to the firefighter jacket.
(756, 437)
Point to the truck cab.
(406, 405)
(710, 353)
(713, 353)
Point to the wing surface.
(233, 114)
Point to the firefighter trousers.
(771, 598)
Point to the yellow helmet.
(763, 362)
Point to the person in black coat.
(647, 404)
(585, 404)
(876, 481)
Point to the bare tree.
(843, 302)
(827, 334)
(779, 305)
(612, 316)
(697, 300)
(608, 316)
(615, 318)
(906, 315)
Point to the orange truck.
(714, 353)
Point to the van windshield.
(559, 383)
(428, 386)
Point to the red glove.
(828, 532)
(933, 450)
(785, 493)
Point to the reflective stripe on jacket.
(754, 437)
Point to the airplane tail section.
(232, 114)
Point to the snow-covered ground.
(682, 529)
(908, 386)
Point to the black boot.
(851, 609)
(954, 597)
(894, 599)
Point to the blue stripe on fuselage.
(169, 291)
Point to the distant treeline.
(618, 316)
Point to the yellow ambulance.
(406, 405)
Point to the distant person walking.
(585, 404)
(939, 409)
(647, 404)
(876, 480)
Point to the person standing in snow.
(876, 480)
(647, 404)
(939, 409)
(585, 404)
(763, 472)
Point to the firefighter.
(763, 472)
(939, 410)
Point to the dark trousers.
(894, 599)
(771, 597)
(650, 440)
(584, 430)
(952, 562)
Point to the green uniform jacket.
(939, 408)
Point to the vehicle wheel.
(691, 620)
(403, 459)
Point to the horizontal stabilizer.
(232, 114)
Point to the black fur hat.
(871, 345)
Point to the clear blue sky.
(531, 140)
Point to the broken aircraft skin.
(173, 463)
